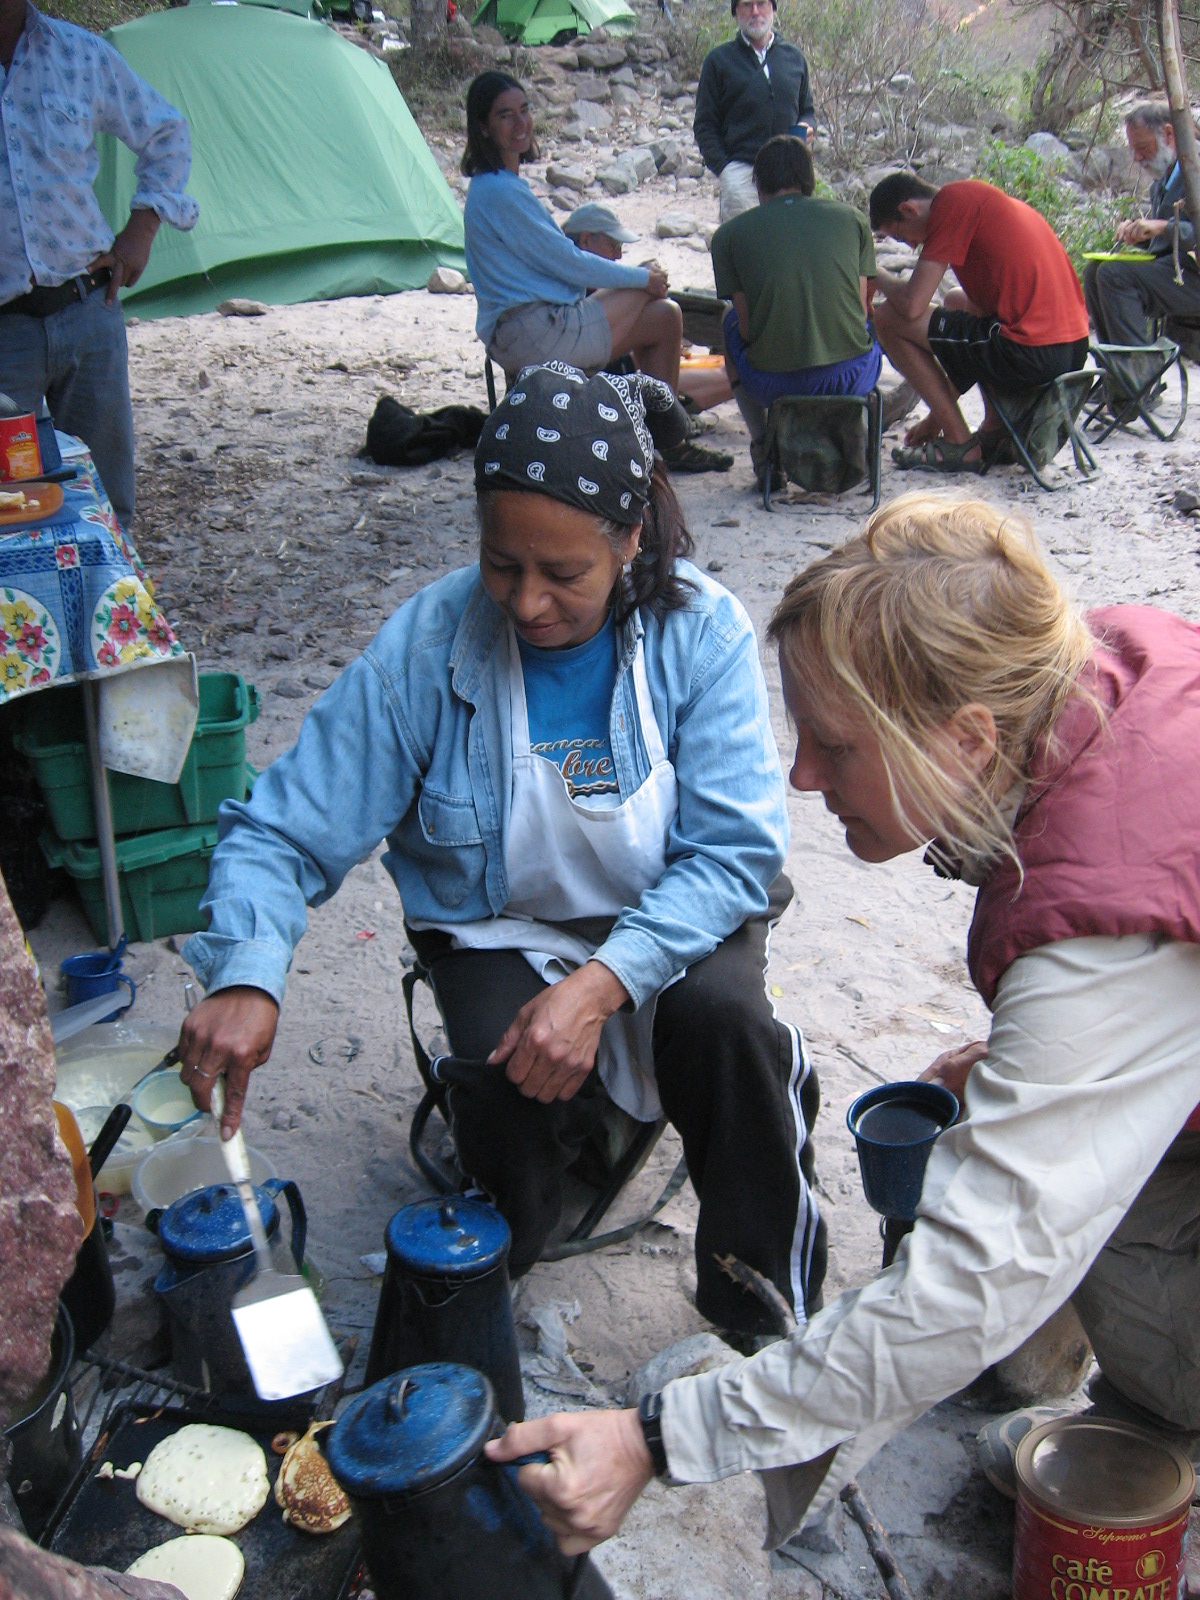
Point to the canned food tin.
(20, 456)
(1102, 1511)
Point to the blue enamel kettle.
(210, 1256)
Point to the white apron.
(566, 861)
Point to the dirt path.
(278, 554)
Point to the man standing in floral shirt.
(62, 332)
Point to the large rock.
(1050, 1365)
(686, 1358)
(566, 175)
(27, 1573)
(1052, 151)
(643, 161)
(668, 157)
(40, 1228)
(447, 280)
(623, 75)
(586, 87)
(601, 56)
(625, 99)
(675, 225)
(588, 115)
(620, 178)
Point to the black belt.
(41, 302)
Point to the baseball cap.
(595, 218)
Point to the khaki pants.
(738, 193)
(1140, 1301)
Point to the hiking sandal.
(692, 457)
(939, 455)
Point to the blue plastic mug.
(99, 972)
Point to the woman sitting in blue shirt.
(569, 752)
(530, 280)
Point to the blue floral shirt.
(64, 86)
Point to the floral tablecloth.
(75, 600)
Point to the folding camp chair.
(794, 422)
(489, 373)
(1140, 373)
(1039, 422)
(628, 1146)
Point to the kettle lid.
(411, 1431)
(451, 1238)
(210, 1225)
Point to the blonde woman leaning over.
(943, 688)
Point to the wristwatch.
(650, 1416)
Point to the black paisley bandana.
(578, 439)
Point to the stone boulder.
(1052, 150)
(567, 175)
(620, 178)
(625, 99)
(589, 116)
(40, 1228)
(585, 86)
(675, 225)
(668, 157)
(447, 280)
(601, 55)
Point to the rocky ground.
(278, 552)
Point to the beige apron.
(565, 862)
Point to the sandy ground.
(278, 554)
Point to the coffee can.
(1102, 1512)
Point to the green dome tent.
(541, 21)
(312, 178)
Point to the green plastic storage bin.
(52, 736)
(162, 877)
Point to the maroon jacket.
(1109, 831)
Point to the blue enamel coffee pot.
(446, 1296)
(210, 1256)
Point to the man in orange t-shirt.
(1017, 322)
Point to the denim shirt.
(412, 744)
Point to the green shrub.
(1082, 222)
(100, 14)
(697, 28)
(882, 74)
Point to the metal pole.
(104, 825)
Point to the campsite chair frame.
(1069, 394)
(871, 403)
(489, 373)
(1105, 356)
(446, 1180)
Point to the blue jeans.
(858, 375)
(78, 361)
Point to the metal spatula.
(284, 1337)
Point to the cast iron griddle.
(102, 1523)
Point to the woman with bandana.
(568, 750)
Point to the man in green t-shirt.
(796, 269)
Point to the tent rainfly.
(312, 178)
(543, 21)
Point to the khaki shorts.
(532, 334)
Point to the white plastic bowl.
(135, 1142)
(164, 1103)
(190, 1159)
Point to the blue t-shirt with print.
(568, 694)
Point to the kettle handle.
(295, 1203)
